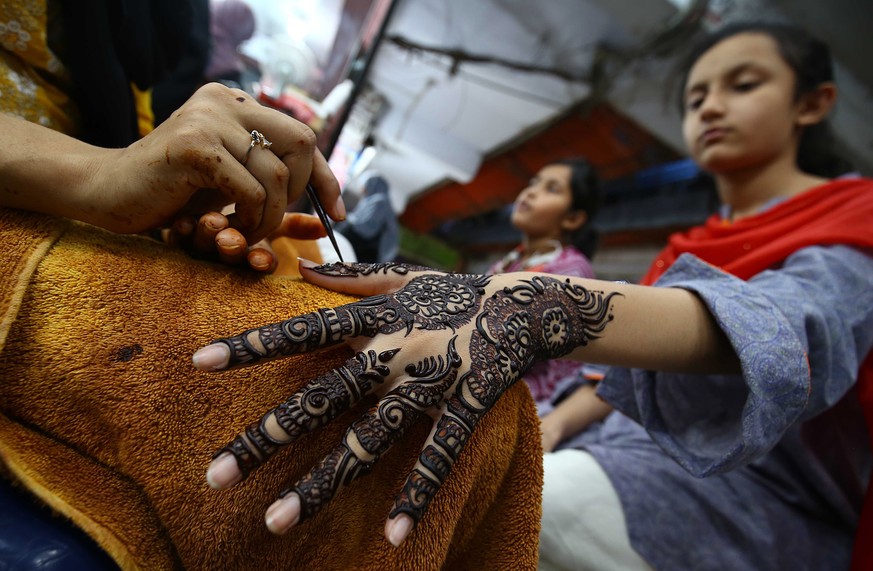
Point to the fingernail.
(283, 514)
(223, 472)
(213, 357)
(340, 208)
(184, 226)
(230, 242)
(398, 529)
(308, 264)
(261, 260)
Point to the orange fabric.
(287, 251)
(104, 418)
(839, 212)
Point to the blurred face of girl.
(740, 108)
(542, 210)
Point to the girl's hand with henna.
(444, 345)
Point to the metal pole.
(359, 82)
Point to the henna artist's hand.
(445, 345)
(221, 148)
(203, 158)
(215, 236)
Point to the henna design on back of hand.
(504, 330)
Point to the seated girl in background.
(554, 214)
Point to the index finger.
(295, 145)
(361, 279)
(322, 328)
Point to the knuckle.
(211, 90)
(306, 140)
(282, 173)
(237, 93)
(257, 195)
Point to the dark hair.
(588, 196)
(810, 59)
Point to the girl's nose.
(711, 106)
(531, 189)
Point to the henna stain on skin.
(128, 353)
(167, 154)
(125, 220)
(198, 162)
(241, 99)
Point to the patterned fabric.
(838, 212)
(760, 471)
(545, 376)
(33, 82)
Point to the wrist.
(46, 171)
(553, 427)
(98, 181)
(567, 314)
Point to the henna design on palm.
(505, 331)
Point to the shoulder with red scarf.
(837, 213)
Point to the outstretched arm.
(448, 346)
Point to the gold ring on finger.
(257, 139)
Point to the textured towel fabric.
(104, 418)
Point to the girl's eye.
(553, 187)
(744, 86)
(693, 103)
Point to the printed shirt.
(33, 82)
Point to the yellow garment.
(33, 82)
(145, 116)
(103, 416)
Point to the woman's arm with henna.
(663, 329)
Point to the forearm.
(46, 171)
(666, 329)
(575, 413)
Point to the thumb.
(299, 226)
(362, 279)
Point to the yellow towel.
(104, 418)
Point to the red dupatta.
(839, 212)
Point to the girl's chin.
(717, 162)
